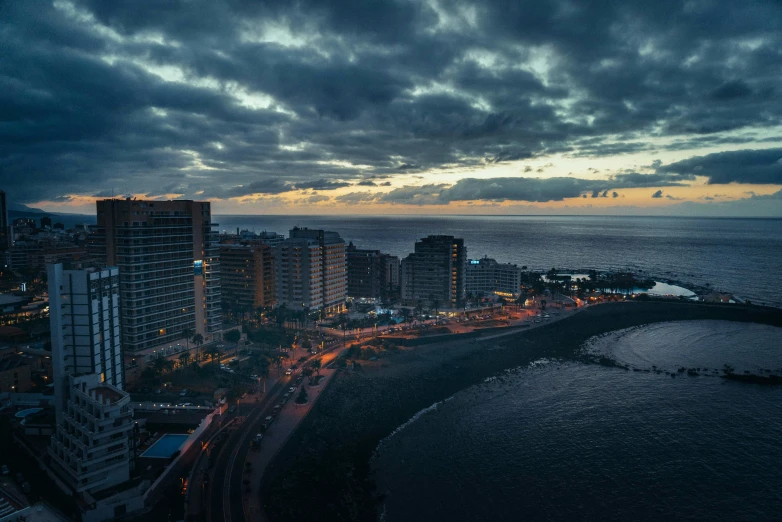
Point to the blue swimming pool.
(29, 411)
(166, 446)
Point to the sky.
(395, 107)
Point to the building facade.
(169, 269)
(84, 318)
(333, 266)
(487, 276)
(247, 276)
(435, 272)
(91, 449)
(299, 275)
(371, 273)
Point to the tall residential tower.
(435, 272)
(169, 270)
(91, 449)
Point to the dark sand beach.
(324, 472)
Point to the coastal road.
(225, 486)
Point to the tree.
(316, 364)
(148, 374)
(213, 352)
(263, 370)
(436, 306)
(159, 365)
(308, 372)
(232, 336)
(405, 314)
(198, 340)
(184, 359)
(187, 333)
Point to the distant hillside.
(69, 220)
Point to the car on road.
(4, 470)
(285, 397)
(289, 371)
(183, 393)
(292, 389)
(258, 437)
(268, 420)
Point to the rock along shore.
(323, 473)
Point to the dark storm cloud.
(657, 195)
(744, 166)
(321, 184)
(354, 89)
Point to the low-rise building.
(487, 276)
(15, 372)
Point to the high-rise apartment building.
(84, 317)
(487, 276)
(299, 281)
(334, 271)
(91, 448)
(435, 272)
(247, 276)
(169, 269)
(371, 273)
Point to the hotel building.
(312, 271)
(487, 276)
(435, 271)
(247, 273)
(169, 270)
(371, 273)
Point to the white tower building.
(92, 442)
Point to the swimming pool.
(166, 446)
(29, 411)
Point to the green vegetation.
(232, 336)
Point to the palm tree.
(263, 370)
(436, 306)
(343, 322)
(187, 333)
(198, 340)
(213, 352)
(184, 358)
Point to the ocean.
(572, 441)
(739, 256)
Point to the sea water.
(572, 441)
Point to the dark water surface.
(569, 441)
(740, 256)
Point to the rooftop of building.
(12, 362)
(110, 393)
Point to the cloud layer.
(232, 99)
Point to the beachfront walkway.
(277, 435)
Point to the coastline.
(327, 460)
